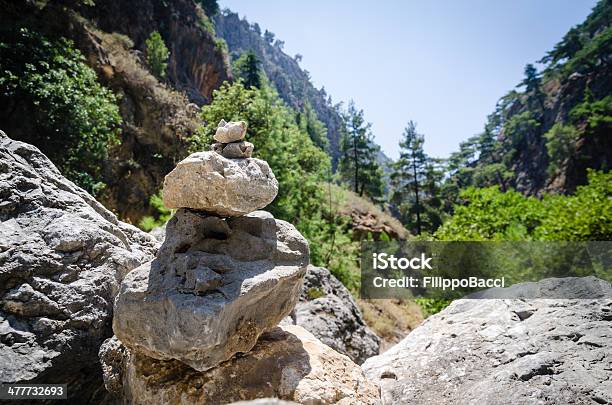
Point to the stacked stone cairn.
(187, 323)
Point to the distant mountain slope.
(292, 82)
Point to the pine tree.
(248, 69)
(359, 163)
(211, 7)
(308, 121)
(157, 55)
(409, 176)
(533, 86)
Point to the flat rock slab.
(287, 363)
(504, 351)
(62, 258)
(214, 287)
(209, 182)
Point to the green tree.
(210, 7)
(410, 176)
(248, 68)
(157, 55)
(533, 87)
(70, 116)
(269, 36)
(359, 163)
(489, 214)
(308, 121)
(560, 145)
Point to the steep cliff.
(546, 134)
(291, 81)
(158, 118)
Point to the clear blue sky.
(443, 64)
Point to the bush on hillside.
(74, 119)
(489, 214)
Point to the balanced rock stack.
(230, 140)
(225, 274)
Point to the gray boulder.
(62, 257)
(207, 181)
(214, 287)
(234, 150)
(327, 310)
(505, 351)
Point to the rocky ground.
(505, 351)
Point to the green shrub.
(162, 215)
(431, 306)
(74, 119)
(489, 214)
(560, 145)
(157, 55)
(586, 215)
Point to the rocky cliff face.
(557, 125)
(197, 66)
(593, 150)
(158, 118)
(62, 257)
(292, 82)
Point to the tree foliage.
(415, 179)
(359, 165)
(248, 68)
(210, 7)
(489, 214)
(308, 122)
(74, 119)
(157, 55)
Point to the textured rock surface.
(215, 286)
(62, 256)
(230, 131)
(287, 363)
(494, 351)
(234, 150)
(327, 310)
(227, 187)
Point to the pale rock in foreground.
(214, 287)
(62, 257)
(505, 351)
(207, 181)
(287, 363)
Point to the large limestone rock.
(209, 182)
(327, 310)
(62, 257)
(214, 287)
(503, 351)
(287, 363)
